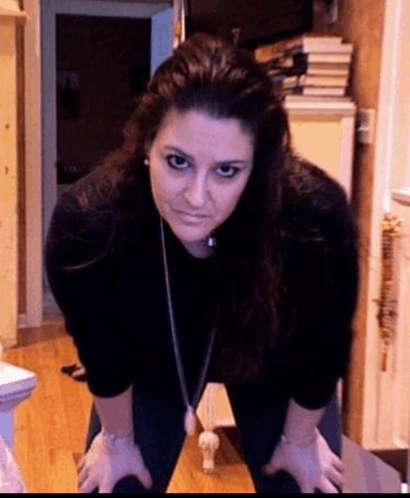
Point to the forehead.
(196, 132)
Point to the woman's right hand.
(106, 462)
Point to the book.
(321, 39)
(328, 57)
(328, 69)
(292, 45)
(321, 80)
(292, 81)
(336, 91)
(339, 48)
(297, 99)
(279, 49)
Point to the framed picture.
(68, 94)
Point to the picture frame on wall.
(68, 94)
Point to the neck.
(198, 249)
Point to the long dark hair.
(208, 74)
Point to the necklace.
(190, 419)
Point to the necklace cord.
(178, 360)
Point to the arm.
(320, 253)
(321, 260)
(301, 423)
(116, 413)
(91, 303)
(113, 453)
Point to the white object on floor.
(16, 385)
(10, 477)
(365, 472)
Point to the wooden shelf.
(322, 108)
(19, 16)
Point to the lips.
(193, 215)
(191, 218)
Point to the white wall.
(161, 38)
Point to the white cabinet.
(323, 132)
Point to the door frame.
(41, 121)
(374, 382)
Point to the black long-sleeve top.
(116, 310)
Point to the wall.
(102, 50)
(361, 22)
(8, 183)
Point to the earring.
(146, 161)
(211, 241)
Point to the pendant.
(190, 421)
(211, 242)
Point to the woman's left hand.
(313, 466)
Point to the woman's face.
(199, 167)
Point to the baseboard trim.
(22, 321)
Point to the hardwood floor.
(50, 427)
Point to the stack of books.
(328, 62)
(312, 66)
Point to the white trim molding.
(33, 165)
(377, 383)
(109, 9)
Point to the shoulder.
(315, 206)
(87, 220)
(83, 209)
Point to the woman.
(203, 250)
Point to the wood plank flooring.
(50, 427)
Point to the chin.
(189, 234)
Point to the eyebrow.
(176, 149)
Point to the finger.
(106, 486)
(80, 464)
(270, 468)
(337, 463)
(83, 475)
(335, 477)
(145, 477)
(88, 486)
(327, 487)
(273, 466)
(306, 487)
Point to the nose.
(196, 192)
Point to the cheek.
(228, 199)
(164, 189)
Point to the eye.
(177, 162)
(227, 171)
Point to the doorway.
(102, 63)
(145, 38)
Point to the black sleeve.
(322, 262)
(89, 297)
